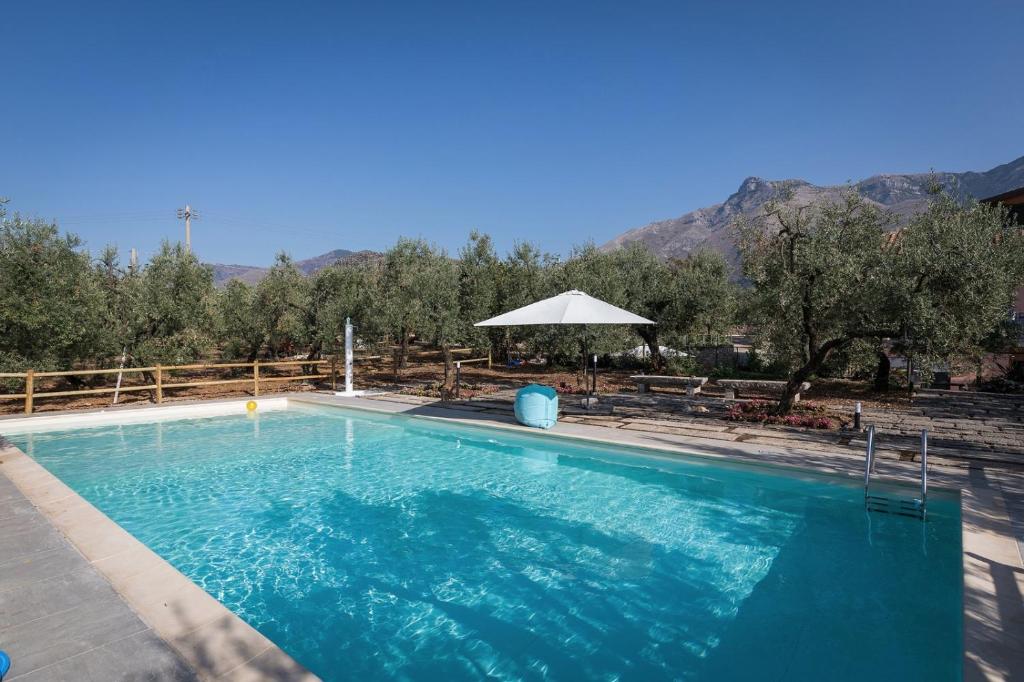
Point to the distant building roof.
(1013, 200)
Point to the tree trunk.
(650, 337)
(447, 350)
(816, 360)
(882, 371)
(403, 355)
(314, 354)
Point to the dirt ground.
(426, 379)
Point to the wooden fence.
(161, 373)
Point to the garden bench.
(644, 383)
(737, 385)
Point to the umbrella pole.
(586, 363)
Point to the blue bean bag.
(537, 406)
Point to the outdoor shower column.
(348, 355)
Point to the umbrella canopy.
(572, 307)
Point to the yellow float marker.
(251, 406)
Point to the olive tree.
(478, 287)
(820, 281)
(240, 325)
(958, 267)
(829, 275)
(172, 315)
(419, 294)
(650, 292)
(343, 291)
(52, 307)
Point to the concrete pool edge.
(211, 639)
(993, 570)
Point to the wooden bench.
(644, 383)
(737, 385)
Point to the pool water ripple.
(376, 547)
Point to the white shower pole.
(349, 392)
(348, 355)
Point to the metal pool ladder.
(916, 507)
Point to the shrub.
(806, 415)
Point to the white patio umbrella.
(571, 307)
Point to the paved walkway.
(962, 427)
(59, 618)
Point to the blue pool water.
(374, 547)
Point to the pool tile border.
(213, 641)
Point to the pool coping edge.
(991, 557)
(215, 642)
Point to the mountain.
(902, 193)
(251, 274)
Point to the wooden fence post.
(30, 380)
(488, 358)
(159, 384)
(256, 378)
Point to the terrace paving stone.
(59, 618)
(65, 633)
(29, 542)
(678, 431)
(140, 657)
(19, 573)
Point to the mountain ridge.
(903, 193)
(252, 274)
(709, 227)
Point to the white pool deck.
(165, 608)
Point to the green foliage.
(345, 291)
(830, 286)
(283, 309)
(419, 294)
(52, 308)
(958, 267)
(704, 300)
(681, 365)
(834, 278)
(241, 329)
(171, 319)
(478, 272)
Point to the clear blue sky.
(311, 126)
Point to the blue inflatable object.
(537, 406)
(5, 664)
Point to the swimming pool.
(377, 547)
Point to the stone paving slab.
(69, 622)
(953, 433)
(59, 618)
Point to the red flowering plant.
(805, 415)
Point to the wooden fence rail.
(162, 372)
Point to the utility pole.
(187, 214)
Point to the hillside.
(251, 274)
(902, 193)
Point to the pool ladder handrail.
(918, 507)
